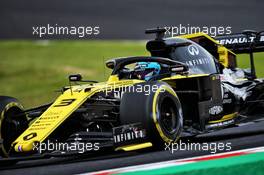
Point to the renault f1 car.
(193, 86)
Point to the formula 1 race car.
(189, 85)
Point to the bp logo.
(193, 50)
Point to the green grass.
(32, 70)
(243, 62)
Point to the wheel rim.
(168, 115)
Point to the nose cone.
(25, 147)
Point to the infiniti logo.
(193, 50)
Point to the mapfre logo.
(193, 50)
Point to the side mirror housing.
(75, 77)
(110, 64)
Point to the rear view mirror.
(75, 77)
(110, 64)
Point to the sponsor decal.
(193, 50)
(239, 40)
(129, 136)
(195, 62)
(65, 102)
(128, 132)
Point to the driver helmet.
(146, 70)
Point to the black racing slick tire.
(158, 110)
(11, 123)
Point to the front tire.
(160, 112)
(11, 124)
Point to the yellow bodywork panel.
(134, 147)
(64, 106)
(113, 78)
(225, 118)
(223, 56)
(199, 34)
(184, 76)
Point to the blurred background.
(32, 68)
(119, 19)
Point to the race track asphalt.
(128, 19)
(246, 136)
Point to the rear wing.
(246, 42)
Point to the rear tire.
(11, 126)
(158, 111)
